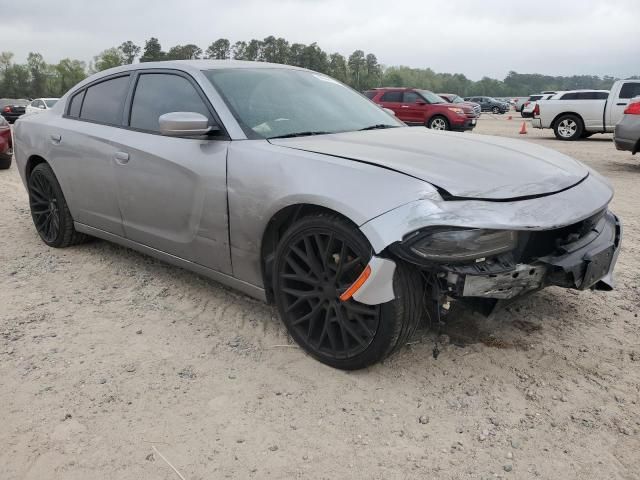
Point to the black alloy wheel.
(317, 260)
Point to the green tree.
(338, 67)
(184, 52)
(67, 74)
(152, 51)
(275, 50)
(253, 52)
(130, 51)
(357, 69)
(239, 50)
(219, 50)
(110, 58)
(38, 70)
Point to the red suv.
(5, 144)
(422, 107)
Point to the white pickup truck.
(580, 114)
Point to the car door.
(620, 100)
(172, 191)
(392, 100)
(83, 146)
(414, 107)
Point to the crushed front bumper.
(583, 264)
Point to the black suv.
(490, 104)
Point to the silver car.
(627, 132)
(293, 188)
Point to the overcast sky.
(474, 37)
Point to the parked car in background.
(490, 104)
(422, 107)
(6, 147)
(293, 188)
(523, 102)
(581, 113)
(627, 132)
(12, 109)
(40, 105)
(457, 99)
(529, 106)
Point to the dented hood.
(463, 165)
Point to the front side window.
(411, 97)
(160, 93)
(104, 101)
(50, 103)
(276, 102)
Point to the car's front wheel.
(49, 209)
(438, 123)
(317, 260)
(568, 127)
(495, 110)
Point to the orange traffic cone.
(523, 129)
(509, 117)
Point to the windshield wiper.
(378, 126)
(299, 134)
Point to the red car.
(5, 144)
(422, 107)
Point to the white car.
(581, 113)
(41, 105)
(529, 106)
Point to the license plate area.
(598, 264)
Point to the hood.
(463, 165)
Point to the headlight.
(457, 110)
(459, 245)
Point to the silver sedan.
(293, 188)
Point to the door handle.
(56, 138)
(121, 158)
(621, 103)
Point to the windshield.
(431, 97)
(50, 103)
(276, 102)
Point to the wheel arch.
(32, 162)
(555, 119)
(438, 114)
(276, 227)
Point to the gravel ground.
(110, 360)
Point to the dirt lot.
(106, 354)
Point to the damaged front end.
(580, 256)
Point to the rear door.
(620, 100)
(392, 99)
(172, 191)
(83, 149)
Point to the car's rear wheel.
(49, 209)
(568, 127)
(438, 123)
(317, 259)
(5, 160)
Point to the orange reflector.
(356, 285)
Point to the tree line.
(360, 70)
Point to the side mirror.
(42, 107)
(185, 124)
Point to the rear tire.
(438, 122)
(317, 259)
(5, 161)
(49, 209)
(568, 127)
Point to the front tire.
(49, 209)
(495, 110)
(568, 127)
(317, 259)
(438, 123)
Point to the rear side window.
(570, 96)
(630, 90)
(370, 94)
(392, 97)
(159, 93)
(104, 102)
(533, 98)
(76, 104)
